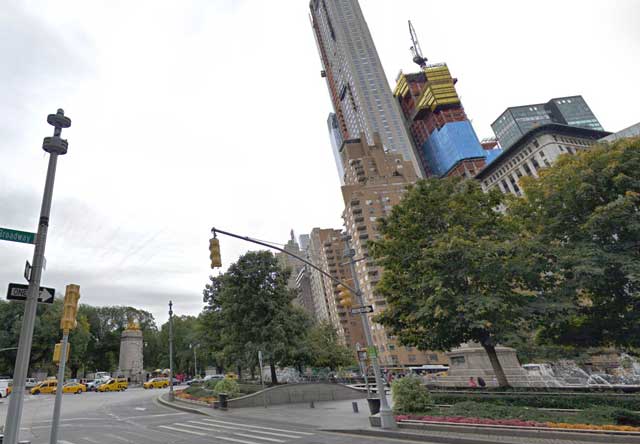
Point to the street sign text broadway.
(17, 236)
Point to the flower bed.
(182, 394)
(516, 423)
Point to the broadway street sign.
(18, 292)
(17, 236)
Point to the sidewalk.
(338, 416)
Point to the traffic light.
(70, 308)
(214, 249)
(57, 351)
(346, 297)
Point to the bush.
(228, 386)
(611, 415)
(410, 396)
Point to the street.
(134, 416)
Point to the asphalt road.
(135, 417)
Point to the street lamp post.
(55, 146)
(171, 397)
(386, 415)
(195, 360)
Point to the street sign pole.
(264, 396)
(59, 388)
(171, 396)
(386, 415)
(54, 146)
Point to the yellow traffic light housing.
(70, 308)
(214, 250)
(346, 297)
(57, 351)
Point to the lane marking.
(236, 440)
(86, 438)
(158, 415)
(259, 427)
(60, 441)
(211, 429)
(264, 438)
(142, 409)
(182, 430)
(247, 430)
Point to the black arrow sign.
(362, 309)
(18, 292)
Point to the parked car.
(30, 383)
(213, 377)
(92, 386)
(47, 386)
(72, 387)
(194, 381)
(114, 385)
(156, 383)
(5, 388)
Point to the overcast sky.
(193, 114)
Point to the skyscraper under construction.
(442, 133)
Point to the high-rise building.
(439, 127)
(538, 148)
(304, 292)
(335, 137)
(349, 327)
(359, 90)
(318, 291)
(516, 121)
(375, 181)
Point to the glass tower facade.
(519, 120)
(359, 90)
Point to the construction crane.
(415, 49)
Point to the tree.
(585, 213)
(452, 271)
(251, 306)
(325, 349)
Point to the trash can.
(374, 405)
(222, 401)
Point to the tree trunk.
(274, 377)
(239, 373)
(253, 373)
(495, 364)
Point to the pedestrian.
(472, 382)
(481, 382)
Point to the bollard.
(312, 405)
(355, 407)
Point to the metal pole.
(387, 420)
(195, 363)
(171, 398)
(55, 146)
(59, 387)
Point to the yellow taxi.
(48, 386)
(156, 383)
(114, 385)
(231, 375)
(72, 387)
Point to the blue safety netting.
(451, 143)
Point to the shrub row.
(540, 400)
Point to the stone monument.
(471, 360)
(131, 351)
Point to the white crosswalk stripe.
(182, 430)
(257, 427)
(234, 431)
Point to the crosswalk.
(233, 432)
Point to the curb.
(482, 439)
(176, 405)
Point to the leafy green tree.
(452, 271)
(585, 213)
(252, 310)
(325, 348)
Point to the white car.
(213, 377)
(5, 389)
(30, 383)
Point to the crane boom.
(416, 51)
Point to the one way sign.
(18, 292)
